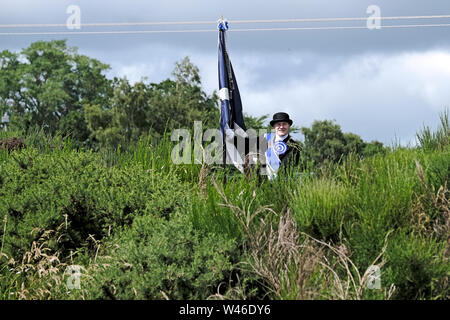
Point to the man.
(281, 152)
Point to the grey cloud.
(336, 42)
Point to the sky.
(383, 84)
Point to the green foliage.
(436, 140)
(157, 258)
(359, 201)
(144, 228)
(418, 268)
(208, 214)
(211, 212)
(353, 143)
(75, 189)
(372, 148)
(255, 123)
(178, 105)
(105, 125)
(47, 84)
(437, 169)
(127, 118)
(320, 207)
(326, 143)
(135, 109)
(186, 73)
(384, 189)
(7, 282)
(50, 86)
(383, 198)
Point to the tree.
(170, 104)
(325, 142)
(353, 143)
(372, 148)
(186, 73)
(125, 119)
(47, 84)
(255, 123)
(178, 103)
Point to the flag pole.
(224, 159)
(231, 116)
(222, 27)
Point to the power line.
(168, 23)
(342, 19)
(105, 32)
(214, 30)
(344, 27)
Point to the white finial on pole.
(222, 24)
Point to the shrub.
(436, 140)
(384, 191)
(44, 190)
(160, 259)
(418, 268)
(13, 143)
(320, 206)
(437, 169)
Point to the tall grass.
(311, 234)
(437, 139)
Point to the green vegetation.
(141, 227)
(107, 199)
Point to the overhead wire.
(167, 23)
(265, 21)
(212, 30)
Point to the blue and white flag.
(231, 118)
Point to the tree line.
(49, 86)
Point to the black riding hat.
(280, 117)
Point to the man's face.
(281, 128)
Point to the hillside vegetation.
(140, 227)
(93, 207)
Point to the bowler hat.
(280, 117)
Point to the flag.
(231, 118)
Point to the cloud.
(330, 42)
(136, 72)
(379, 97)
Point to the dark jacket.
(291, 158)
(292, 155)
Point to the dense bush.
(418, 267)
(73, 188)
(321, 206)
(143, 228)
(157, 258)
(437, 169)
